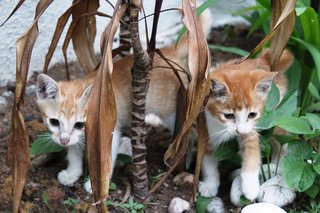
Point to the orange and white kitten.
(239, 94)
(63, 106)
(63, 103)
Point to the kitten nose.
(64, 141)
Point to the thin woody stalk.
(139, 90)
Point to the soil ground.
(43, 193)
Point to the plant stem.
(139, 92)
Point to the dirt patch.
(42, 191)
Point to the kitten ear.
(47, 88)
(263, 86)
(86, 94)
(219, 90)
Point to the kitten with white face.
(239, 94)
(63, 104)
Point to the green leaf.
(312, 107)
(244, 201)
(298, 173)
(234, 50)
(273, 98)
(310, 25)
(202, 203)
(313, 90)
(293, 124)
(314, 120)
(314, 51)
(44, 144)
(284, 139)
(288, 104)
(300, 149)
(316, 165)
(263, 17)
(312, 191)
(265, 3)
(112, 186)
(300, 10)
(226, 151)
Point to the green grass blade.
(234, 50)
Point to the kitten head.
(63, 106)
(239, 92)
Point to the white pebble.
(262, 208)
(276, 191)
(178, 205)
(216, 206)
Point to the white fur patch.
(218, 132)
(211, 179)
(250, 184)
(74, 170)
(153, 120)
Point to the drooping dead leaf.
(62, 21)
(84, 34)
(201, 149)
(199, 66)
(71, 30)
(287, 12)
(18, 5)
(282, 35)
(18, 147)
(198, 88)
(101, 117)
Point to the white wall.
(20, 21)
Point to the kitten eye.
(79, 125)
(54, 122)
(252, 115)
(229, 116)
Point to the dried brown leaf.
(84, 34)
(286, 12)
(18, 147)
(18, 5)
(198, 88)
(101, 118)
(62, 21)
(282, 35)
(201, 148)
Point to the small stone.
(184, 178)
(276, 191)
(216, 206)
(262, 208)
(178, 205)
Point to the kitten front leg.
(211, 178)
(250, 165)
(74, 170)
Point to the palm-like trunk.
(139, 91)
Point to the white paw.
(153, 120)
(208, 189)
(87, 186)
(250, 184)
(66, 178)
